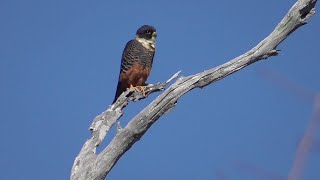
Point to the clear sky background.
(59, 64)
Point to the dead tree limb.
(88, 165)
(102, 124)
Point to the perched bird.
(136, 61)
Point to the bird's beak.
(154, 34)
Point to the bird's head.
(147, 32)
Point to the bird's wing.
(131, 55)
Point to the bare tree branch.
(102, 124)
(88, 165)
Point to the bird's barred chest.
(146, 59)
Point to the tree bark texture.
(89, 165)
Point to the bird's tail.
(120, 90)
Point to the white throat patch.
(149, 44)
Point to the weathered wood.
(88, 165)
(84, 162)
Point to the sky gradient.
(59, 64)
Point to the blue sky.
(59, 64)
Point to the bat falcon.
(136, 61)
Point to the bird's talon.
(141, 89)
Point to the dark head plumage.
(146, 32)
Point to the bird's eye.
(148, 32)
